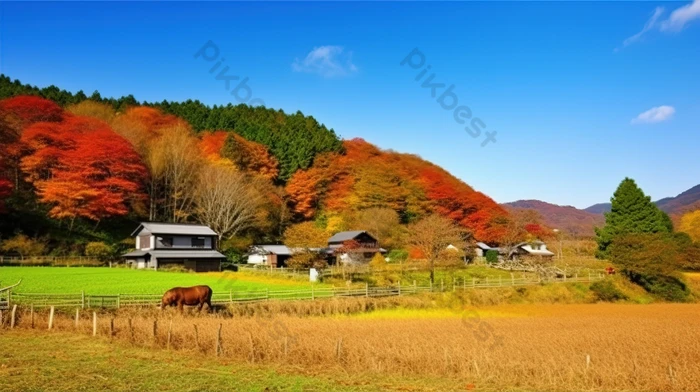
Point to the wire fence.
(83, 300)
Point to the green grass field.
(102, 280)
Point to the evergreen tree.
(632, 212)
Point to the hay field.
(600, 347)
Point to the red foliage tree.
(82, 168)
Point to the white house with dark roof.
(158, 245)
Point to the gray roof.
(136, 253)
(345, 235)
(483, 246)
(174, 228)
(178, 254)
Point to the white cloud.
(682, 16)
(655, 115)
(328, 61)
(677, 20)
(651, 23)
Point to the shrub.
(378, 262)
(174, 268)
(99, 250)
(24, 246)
(306, 260)
(491, 256)
(605, 290)
(397, 255)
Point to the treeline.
(294, 139)
(75, 170)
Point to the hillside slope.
(567, 218)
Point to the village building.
(159, 245)
(347, 247)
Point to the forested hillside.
(294, 139)
(77, 172)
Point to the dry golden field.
(601, 347)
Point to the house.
(534, 249)
(271, 255)
(481, 249)
(350, 247)
(163, 244)
(346, 247)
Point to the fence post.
(512, 279)
(267, 293)
(118, 300)
(431, 286)
(82, 298)
(77, 317)
(218, 341)
(230, 296)
(32, 315)
(94, 323)
(442, 285)
(51, 318)
(12, 320)
(454, 284)
(415, 287)
(366, 289)
(313, 297)
(399, 288)
(170, 332)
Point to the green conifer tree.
(631, 212)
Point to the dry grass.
(631, 347)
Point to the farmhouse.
(163, 244)
(525, 249)
(345, 247)
(271, 255)
(351, 247)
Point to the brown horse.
(190, 296)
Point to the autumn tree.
(305, 235)
(690, 224)
(226, 200)
(24, 246)
(250, 156)
(88, 108)
(432, 235)
(382, 223)
(179, 159)
(81, 168)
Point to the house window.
(167, 242)
(198, 242)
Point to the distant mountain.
(565, 218)
(599, 208)
(685, 201)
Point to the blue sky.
(581, 94)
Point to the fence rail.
(73, 261)
(82, 300)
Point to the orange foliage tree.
(367, 177)
(250, 156)
(82, 168)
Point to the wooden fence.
(82, 300)
(45, 261)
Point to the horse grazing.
(190, 296)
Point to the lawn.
(102, 280)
